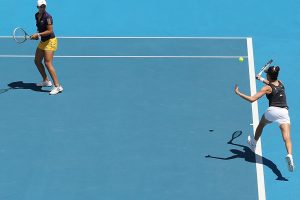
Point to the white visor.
(41, 2)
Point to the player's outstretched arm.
(265, 90)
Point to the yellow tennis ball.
(241, 59)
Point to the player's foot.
(290, 162)
(56, 90)
(251, 143)
(44, 84)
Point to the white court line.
(133, 56)
(221, 38)
(62, 56)
(255, 116)
(141, 37)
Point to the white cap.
(41, 2)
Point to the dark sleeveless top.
(42, 24)
(277, 97)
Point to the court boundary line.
(255, 118)
(71, 56)
(132, 56)
(141, 37)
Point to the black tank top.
(277, 97)
(46, 19)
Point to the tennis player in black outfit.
(277, 111)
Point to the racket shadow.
(25, 86)
(249, 156)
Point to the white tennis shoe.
(56, 90)
(251, 143)
(44, 84)
(290, 162)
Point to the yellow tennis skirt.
(49, 45)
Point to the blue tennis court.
(135, 123)
(148, 109)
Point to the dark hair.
(273, 72)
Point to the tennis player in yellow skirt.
(46, 48)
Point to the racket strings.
(20, 35)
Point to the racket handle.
(260, 73)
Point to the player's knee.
(37, 61)
(286, 138)
(48, 63)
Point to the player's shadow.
(25, 86)
(251, 157)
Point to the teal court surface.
(140, 118)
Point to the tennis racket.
(264, 68)
(20, 35)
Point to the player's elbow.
(252, 99)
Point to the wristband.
(262, 79)
(39, 35)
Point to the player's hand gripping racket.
(20, 35)
(264, 68)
